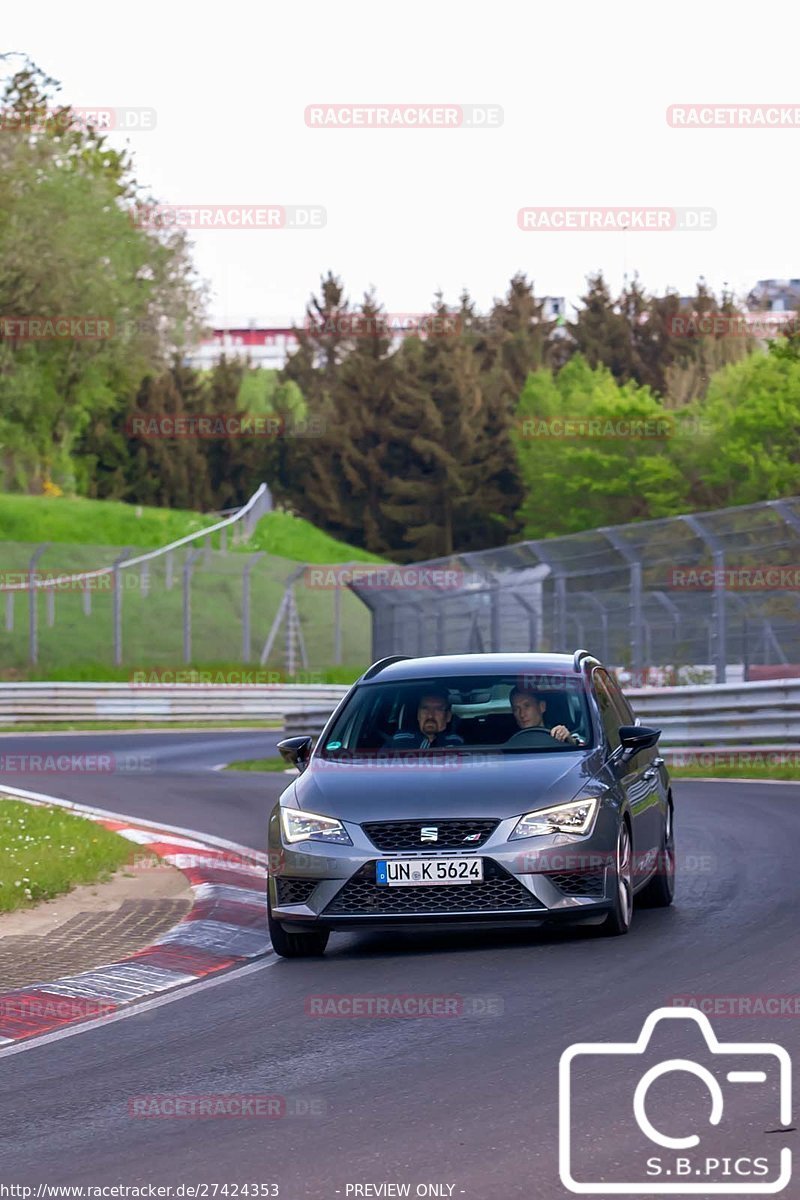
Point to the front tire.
(659, 892)
(619, 919)
(296, 945)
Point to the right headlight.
(305, 826)
(575, 817)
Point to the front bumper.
(529, 881)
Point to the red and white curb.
(226, 927)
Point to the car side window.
(608, 712)
(624, 709)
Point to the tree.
(601, 331)
(593, 452)
(748, 447)
(441, 421)
(69, 249)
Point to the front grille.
(581, 883)
(407, 835)
(362, 896)
(294, 891)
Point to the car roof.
(444, 665)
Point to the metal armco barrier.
(727, 714)
(24, 703)
(714, 715)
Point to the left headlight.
(575, 817)
(305, 826)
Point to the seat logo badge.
(429, 833)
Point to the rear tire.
(659, 892)
(296, 945)
(619, 919)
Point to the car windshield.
(512, 713)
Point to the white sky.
(584, 87)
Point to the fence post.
(337, 624)
(116, 600)
(187, 604)
(9, 612)
(87, 598)
(634, 561)
(33, 638)
(718, 624)
(251, 562)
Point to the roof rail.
(578, 658)
(378, 666)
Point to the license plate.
(421, 872)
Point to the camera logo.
(741, 1085)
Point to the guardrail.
(731, 716)
(27, 703)
(722, 714)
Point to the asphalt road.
(467, 1102)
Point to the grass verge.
(258, 764)
(45, 852)
(786, 771)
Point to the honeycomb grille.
(294, 891)
(499, 891)
(580, 883)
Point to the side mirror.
(635, 738)
(296, 750)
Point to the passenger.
(433, 717)
(529, 708)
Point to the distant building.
(775, 295)
(264, 346)
(554, 308)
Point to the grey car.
(471, 790)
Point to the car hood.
(462, 786)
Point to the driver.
(433, 716)
(528, 709)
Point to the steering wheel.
(535, 736)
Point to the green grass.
(96, 522)
(742, 771)
(75, 520)
(45, 852)
(258, 764)
(293, 537)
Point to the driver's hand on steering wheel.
(560, 733)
